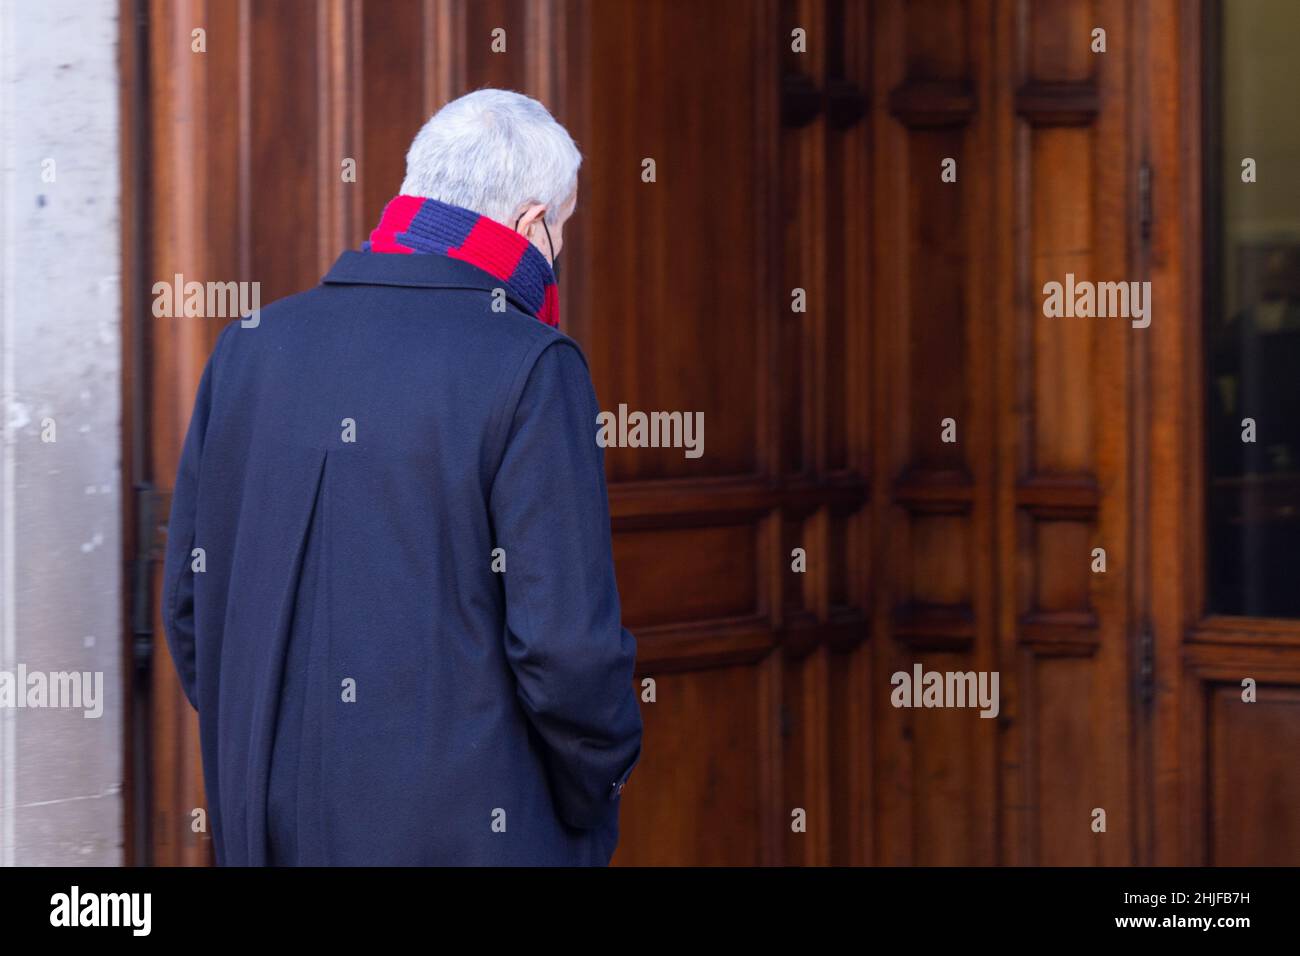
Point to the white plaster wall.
(60, 359)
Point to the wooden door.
(679, 305)
(671, 286)
(999, 437)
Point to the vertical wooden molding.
(893, 819)
(444, 66)
(1010, 301)
(177, 210)
(244, 191)
(811, 241)
(328, 211)
(767, 155)
(817, 780)
(539, 55)
(773, 817)
(339, 51)
(133, 105)
(1174, 829)
(983, 459)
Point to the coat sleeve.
(178, 578)
(572, 658)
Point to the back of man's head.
(492, 151)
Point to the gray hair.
(492, 151)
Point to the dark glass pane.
(1252, 327)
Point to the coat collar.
(426, 271)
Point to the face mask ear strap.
(550, 245)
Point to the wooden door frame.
(1173, 523)
(1192, 647)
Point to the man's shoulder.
(463, 321)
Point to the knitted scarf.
(411, 224)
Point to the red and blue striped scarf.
(413, 225)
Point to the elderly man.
(389, 586)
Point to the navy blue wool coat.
(370, 691)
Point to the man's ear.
(532, 212)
